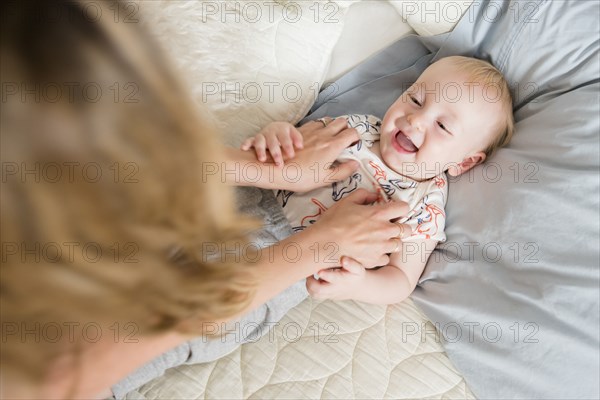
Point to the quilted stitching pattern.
(325, 349)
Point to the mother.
(107, 207)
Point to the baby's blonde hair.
(486, 74)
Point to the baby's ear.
(466, 164)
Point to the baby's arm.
(387, 285)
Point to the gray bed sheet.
(515, 289)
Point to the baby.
(455, 116)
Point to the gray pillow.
(515, 289)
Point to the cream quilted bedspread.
(326, 349)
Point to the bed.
(249, 70)
(340, 350)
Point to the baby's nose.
(415, 122)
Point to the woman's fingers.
(395, 242)
(310, 126)
(297, 138)
(394, 245)
(347, 137)
(391, 210)
(405, 231)
(342, 171)
(336, 126)
(362, 196)
(383, 260)
(363, 231)
(331, 127)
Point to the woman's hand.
(323, 143)
(354, 228)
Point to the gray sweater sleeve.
(262, 205)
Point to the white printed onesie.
(426, 199)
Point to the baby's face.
(442, 122)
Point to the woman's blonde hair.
(106, 209)
(484, 73)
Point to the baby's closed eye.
(441, 125)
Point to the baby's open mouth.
(405, 143)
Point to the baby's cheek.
(390, 158)
(433, 159)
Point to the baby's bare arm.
(396, 281)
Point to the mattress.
(325, 349)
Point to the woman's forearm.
(241, 168)
(291, 260)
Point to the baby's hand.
(273, 137)
(339, 283)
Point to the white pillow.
(369, 27)
(428, 17)
(248, 63)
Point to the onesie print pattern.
(426, 199)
